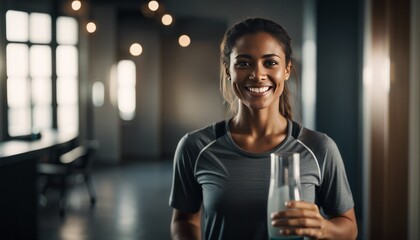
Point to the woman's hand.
(304, 219)
(301, 218)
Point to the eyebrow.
(250, 57)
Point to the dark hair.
(250, 26)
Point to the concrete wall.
(102, 68)
(140, 137)
(190, 91)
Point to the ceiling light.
(153, 5)
(184, 40)
(76, 5)
(136, 49)
(91, 27)
(167, 19)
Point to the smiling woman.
(222, 170)
(258, 70)
(278, 51)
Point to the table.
(18, 181)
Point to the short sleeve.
(335, 194)
(186, 194)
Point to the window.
(29, 61)
(126, 78)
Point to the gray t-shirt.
(231, 185)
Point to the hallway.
(132, 203)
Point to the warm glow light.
(126, 73)
(367, 76)
(136, 49)
(126, 78)
(387, 73)
(76, 5)
(166, 19)
(309, 82)
(153, 5)
(184, 40)
(127, 102)
(98, 94)
(91, 27)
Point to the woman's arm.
(185, 225)
(304, 219)
(343, 226)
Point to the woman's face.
(258, 70)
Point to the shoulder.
(315, 140)
(199, 138)
(322, 146)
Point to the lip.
(258, 90)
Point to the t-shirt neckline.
(257, 155)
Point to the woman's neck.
(258, 131)
(258, 123)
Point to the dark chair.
(62, 174)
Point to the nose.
(259, 73)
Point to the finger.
(301, 205)
(308, 232)
(297, 223)
(296, 213)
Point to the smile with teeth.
(258, 89)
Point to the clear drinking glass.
(284, 186)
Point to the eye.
(242, 64)
(270, 63)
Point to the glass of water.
(284, 186)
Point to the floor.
(132, 203)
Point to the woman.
(223, 170)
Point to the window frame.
(53, 46)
